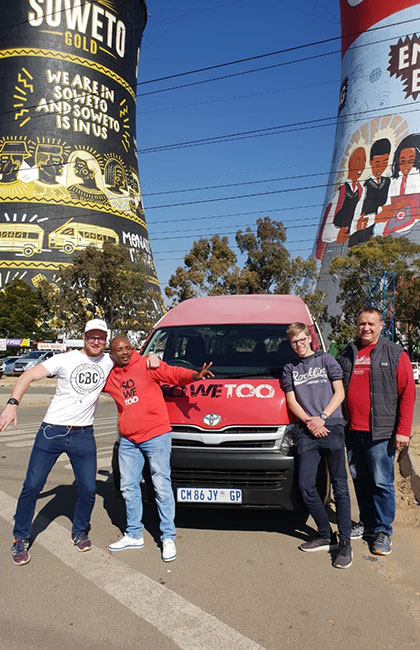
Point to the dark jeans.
(372, 470)
(310, 451)
(50, 442)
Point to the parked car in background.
(416, 371)
(6, 365)
(30, 360)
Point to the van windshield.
(235, 350)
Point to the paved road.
(239, 581)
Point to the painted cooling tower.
(374, 184)
(68, 154)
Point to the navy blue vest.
(384, 361)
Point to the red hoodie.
(142, 412)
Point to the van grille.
(181, 428)
(256, 479)
(232, 444)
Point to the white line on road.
(190, 627)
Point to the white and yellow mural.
(68, 160)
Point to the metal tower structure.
(380, 293)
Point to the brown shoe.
(20, 553)
(82, 542)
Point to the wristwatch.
(324, 416)
(13, 401)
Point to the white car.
(416, 371)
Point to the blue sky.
(189, 34)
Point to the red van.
(232, 441)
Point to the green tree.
(211, 268)
(22, 312)
(379, 255)
(104, 283)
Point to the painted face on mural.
(10, 164)
(357, 164)
(81, 169)
(119, 178)
(407, 160)
(50, 166)
(379, 164)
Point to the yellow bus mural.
(73, 236)
(23, 238)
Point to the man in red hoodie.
(145, 433)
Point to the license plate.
(208, 495)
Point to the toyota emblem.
(212, 419)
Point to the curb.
(409, 468)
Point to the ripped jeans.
(50, 442)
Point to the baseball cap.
(96, 324)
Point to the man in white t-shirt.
(67, 427)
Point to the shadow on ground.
(277, 521)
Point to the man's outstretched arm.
(10, 412)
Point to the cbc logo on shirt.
(86, 378)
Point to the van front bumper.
(265, 479)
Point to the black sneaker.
(319, 544)
(382, 544)
(20, 553)
(344, 557)
(81, 542)
(357, 530)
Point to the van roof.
(255, 309)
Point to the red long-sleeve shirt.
(142, 412)
(358, 396)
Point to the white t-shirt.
(80, 380)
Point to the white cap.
(96, 324)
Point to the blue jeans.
(372, 470)
(131, 457)
(50, 442)
(310, 451)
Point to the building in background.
(68, 153)
(374, 183)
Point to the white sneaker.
(126, 542)
(168, 550)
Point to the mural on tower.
(374, 184)
(68, 153)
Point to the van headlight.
(287, 441)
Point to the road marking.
(190, 627)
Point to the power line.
(237, 214)
(233, 247)
(280, 129)
(265, 180)
(235, 97)
(269, 67)
(235, 61)
(75, 99)
(240, 226)
(274, 53)
(272, 130)
(239, 74)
